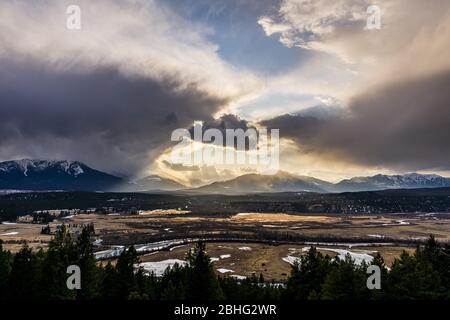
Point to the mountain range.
(286, 182)
(155, 183)
(256, 183)
(53, 175)
(38, 175)
(383, 182)
(45, 175)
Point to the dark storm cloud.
(111, 121)
(296, 126)
(403, 126)
(226, 121)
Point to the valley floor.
(269, 243)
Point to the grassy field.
(132, 229)
(244, 259)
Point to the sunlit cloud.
(112, 93)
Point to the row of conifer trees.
(43, 275)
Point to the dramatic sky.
(348, 101)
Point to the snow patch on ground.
(98, 242)
(115, 251)
(225, 247)
(225, 256)
(111, 253)
(176, 247)
(398, 223)
(158, 268)
(245, 248)
(357, 257)
(238, 277)
(77, 170)
(9, 234)
(291, 260)
(341, 254)
(375, 235)
(223, 270)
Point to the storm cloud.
(226, 122)
(111, 93)
(102, 117)
(404, 125)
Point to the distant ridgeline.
(46, 175)
(389, 201)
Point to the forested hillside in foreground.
(42, 275)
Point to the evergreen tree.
(345, 281)
(144, 286)
(173, 283)
(88, 267)
(108, 287)
(5, 269)
(202, 281)
(261, 278)
(172, 292)
(61, 253)
(126, 282)
(308, 276)
(434, 254)
(24, 277)
(42, 275)
(379, 261)
(46, 230)
(419, 276)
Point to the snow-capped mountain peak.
(28, 174)
(380, 182)
(73, 168)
